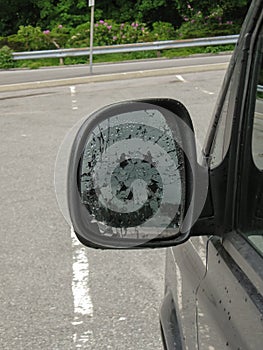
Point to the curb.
(114, 76)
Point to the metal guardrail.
(156, 45)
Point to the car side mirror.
(132, 176)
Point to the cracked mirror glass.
(131, 176)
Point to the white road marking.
(72, 90)
(208, 92)
(204, 91)
(73, 97)
(81, 294)
(80, 287)
(179, 77)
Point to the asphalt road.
(78, 71)
(56, 294)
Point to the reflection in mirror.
(131, 176)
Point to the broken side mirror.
(132, 176)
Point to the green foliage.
(6, 58)
(48, 24)
(71, 13)
(31, 37)
(14, 13)
(197, 25)
(3, 41)
(106, 32)
(186, 7)
(109, 32)
(57, 37)
(79, 36)
(163, 31)
(35, 64)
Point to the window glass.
(251, 206)
(218, 145)
(257, 139)
(223, 132)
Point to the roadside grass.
(110, 58)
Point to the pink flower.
(193, 21)
(114, 38)
(189, 6)
(60, 26)
(101, 21)
(186, 19)
(96, 25)
(46, 31)
(109, 27)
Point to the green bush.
(57, 37)
(32, 38)
(15, 43)
(108, 32)
(3, 41)
(163, 31)
(79, 36)
(6, 58)
(196, 25)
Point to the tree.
(71, 13)
(234, 8)
(14, 13)
(146, 11)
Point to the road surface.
(56, 294)
(79, 71)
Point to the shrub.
(163, 31)
(108, 32)
(57, 37)
(32, 38)
(196, 25)
(6, 58)
(79, 36)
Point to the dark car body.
(214, 284)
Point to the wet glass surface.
(131, 176)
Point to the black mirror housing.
(132, 176)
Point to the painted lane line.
(208, 92)
(80, 288)
(204, 91)
(73, 97)
(179, 77)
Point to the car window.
(224, 127)
(251, 203)
(257, 137)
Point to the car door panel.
(229, 315)
(185, 268)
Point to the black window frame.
(247, 219)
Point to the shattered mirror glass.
(131, 176)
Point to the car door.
(218, 303)
(230, 295)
